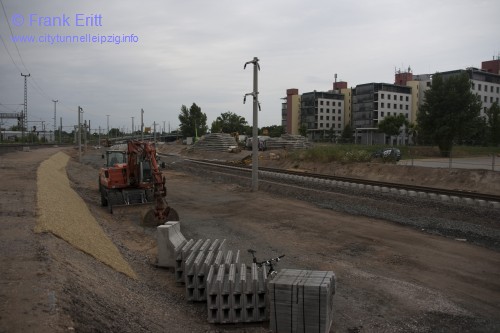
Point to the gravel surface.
(391, 277)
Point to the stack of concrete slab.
(235, 295)
(301, 301)
(216, 142)
(288, 142)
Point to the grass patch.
(350, 153)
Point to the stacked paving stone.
(288, 142)
(301, 301)
(216, 142)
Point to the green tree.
(347, 133)
(193, 121)
(114, 133)
(391, 125)
(493, 114)
(303, 130)
(274, 131)
(449, 109)
(228, 122)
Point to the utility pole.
(60, 131)
(24, 121)
(108, 125)
(154, 131)
(142, 125)
(80, 111)
(55, 118)
(132, 127)
(255, 128)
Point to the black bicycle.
(269, 263)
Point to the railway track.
(445, 195)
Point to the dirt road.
(390, 278)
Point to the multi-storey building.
(372, 102)
(323, 114)
(290, 112)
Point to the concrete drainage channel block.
(169, 239)
(190, 247)
(301, 301)
(234, 295)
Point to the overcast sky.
(193, 51)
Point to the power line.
(12, 35)
(35, 83)
(10, 56)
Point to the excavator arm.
(145, 152)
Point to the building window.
(340, 111)
(382, 104)
(395, 106)
(401, 106)
(382, 113)
(327, 117)
(388, 113)
(320, 102)
(406, 115)
(321, 110)
(498, 90)
(473, 85)
(333, 103)
(485, 88)
(388, 105)
(491, 89)
(485, 98)
(388, 96)
(327, 102)
(339, 118)
(338, 126)
(491, 99)
(407, 99)
(382, 96)
(321, 118)
(400, 98)
(406, 107)
(479, 87)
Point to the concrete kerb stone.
(495, 204)
(444, 197)
(469, 201)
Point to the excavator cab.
(114, 157)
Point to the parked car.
(388, 153)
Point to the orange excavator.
(132, 176)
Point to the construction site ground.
(390, 277)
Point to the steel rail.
(415, 188)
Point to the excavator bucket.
(150, 218)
